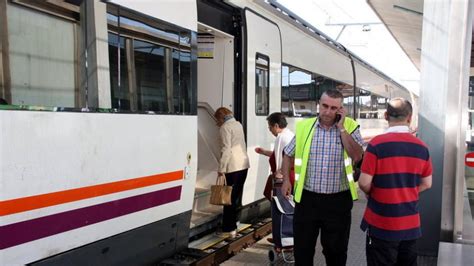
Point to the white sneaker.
(233, 234)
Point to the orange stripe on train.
(12, 206)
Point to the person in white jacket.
(234, 164)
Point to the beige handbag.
(221, 192)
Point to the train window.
(155, 64)
(151, 79)
(42, 59)
(176, 81)
(119, 82)
(299, 94)
(152, 63)
(371, 113)
(371, 105)
(187, 101)
(285, 90)
(262, 81)
(302, 89)
(302, 92)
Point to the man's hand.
(286, 188)
(342, 112)
(259, 150)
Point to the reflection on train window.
(188, 96)
(285, 86)
(188, 99)
(42, 57)
(301, 90)
(262, 81)
(151, 77)
(299, 95)
(119, 86)
(371, 105)
(155, 65)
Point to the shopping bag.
(221, 192)
(283, 210)
(267, 191)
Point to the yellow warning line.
(242, 227)
(213, 242)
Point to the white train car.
(108, 145)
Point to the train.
(108, 141)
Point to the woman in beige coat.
(234, 164)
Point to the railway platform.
(257, 254)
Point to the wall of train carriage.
(72, 178)
(309, 64)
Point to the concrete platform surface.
(257, 254)
(455, 254)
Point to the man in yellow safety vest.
(323, 151)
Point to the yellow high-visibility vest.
(304, 137)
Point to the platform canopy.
(404, 20)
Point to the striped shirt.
(397, 161)
(325, 173)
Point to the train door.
(262, 46)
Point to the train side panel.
(264, 56)
(69, 179)
(182, 13)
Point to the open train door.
(261, 94)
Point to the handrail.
(208, 109)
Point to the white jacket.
(233, 148)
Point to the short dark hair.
(398, 109)
(333, 93)
(277, 118)
(3, 101)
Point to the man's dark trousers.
(330, 213)
(382, 252)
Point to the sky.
(372, 42)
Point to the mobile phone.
(338, 118)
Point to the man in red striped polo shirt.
(396, 168)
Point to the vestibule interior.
(215, 89)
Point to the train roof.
(290, 17)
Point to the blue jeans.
(383, 252)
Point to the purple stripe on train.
(26, 231)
